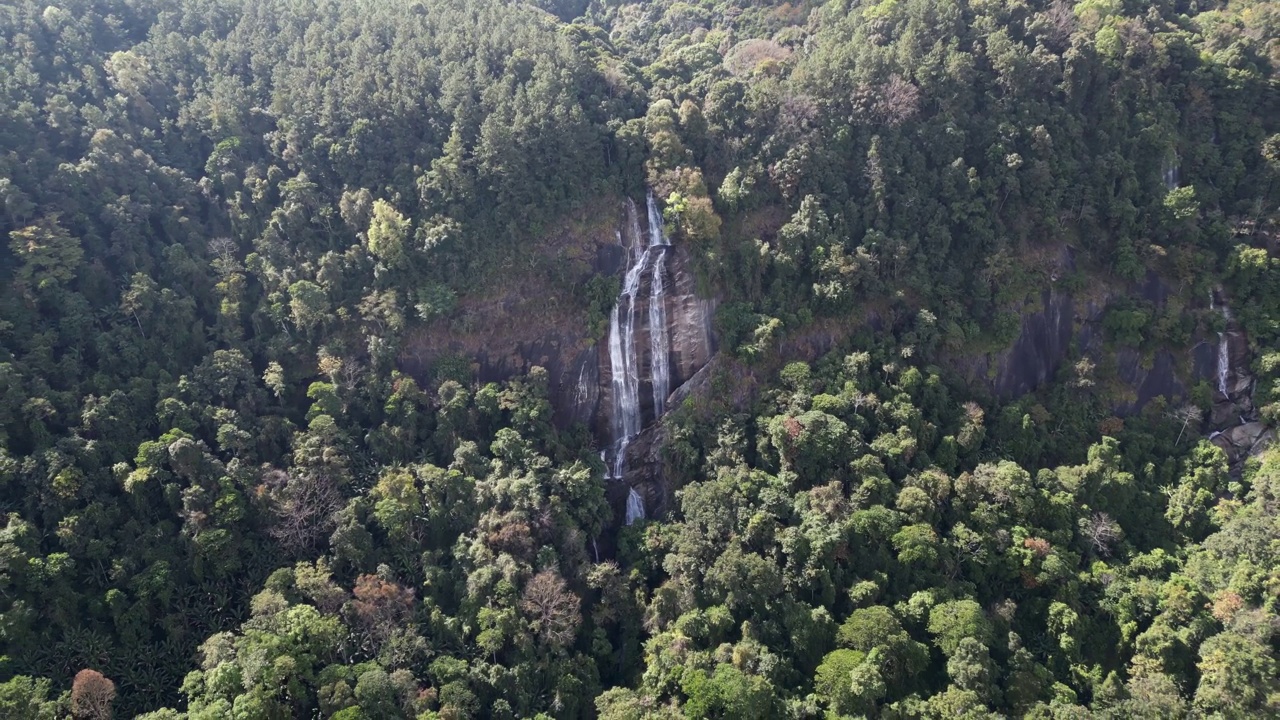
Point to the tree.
(378, 609)
(49, 256)
(398, 503)
(304, 504)
(728, 692)
(27, 698)
(1204, 475)
(91, 696)
(626, 704)
(1101, 532)
(833, 681)
(1237, 678)
(1149, 695)
(877, 627)
(309, 304)
(954, 621)
(552, 609)
(1181, 203)
(388, 231)
(971, 669)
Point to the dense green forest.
(226, 494)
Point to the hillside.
(629, 359)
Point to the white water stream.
(1224, 363)
(1224, 345)
(635, 506)
(659, 343)
(646, 261)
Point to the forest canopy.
(226, 493)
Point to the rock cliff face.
(692, 343)
(526, 324)
(520, 327)
(1234, 419)
(1043, 344)
(659, 338)
(1064, 327)
(585, 390)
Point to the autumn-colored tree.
(552, 608)
(91, 696)
(49, 255)
(378, 608)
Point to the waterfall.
(645, 259)
(1224, 345)
(582, 393)
(626, 385)
(635, 506)
(659, 342)
(1171, 171)
(1224, 363)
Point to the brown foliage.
(1038, 546)
(514, 538)
(91, 696)
(378, 609)
(793, 427)
(899, 100)
(304, 505)
(1225, 606)
(552, 609)
(379, 601)
(829, 500)
(1111, 425)
(747, 55)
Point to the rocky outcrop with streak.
(527, 324)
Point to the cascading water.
(1224, 363)
(646, 260)
(635, 506)
(625, 381)
(582, 392)
(1224, 346)
(659, 343)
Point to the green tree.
(387, 234)
(49, 257)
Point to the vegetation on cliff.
(225, 495)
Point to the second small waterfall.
(1224, 363)
(646, 262)
(635, 506)
(1224, 345)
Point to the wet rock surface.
(645, 474)
(691, 341)
(1061, 328)
(1043, 345)
(1233, 420)
(507, 335)
(1148, 379)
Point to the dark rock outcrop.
(1245, 440)
(1064, 327)
(1146, 381)
(1042, 346)
(645, 472)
